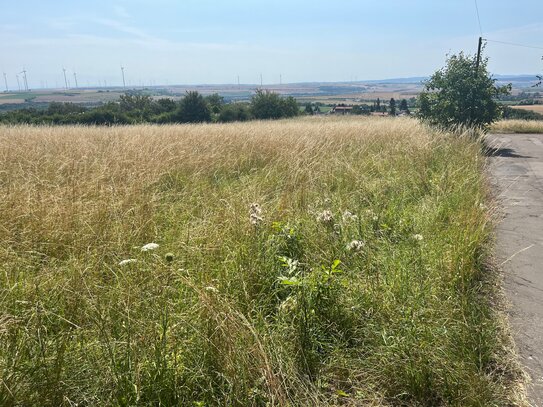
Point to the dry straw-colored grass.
(518, 126)
(244, 314)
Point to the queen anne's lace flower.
(127, 261)
(149, 246)
(254, 214)
(348, 216)
(355, 245)
(417, 237)
(325, 216)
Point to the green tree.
(215, 102)
(392, 107)
(193, 108)
(269, 105)
(164, 105)
(361, 109)
(234, 112)
(461, 94)
(403, 106)
(309, 109)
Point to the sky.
(166, 42)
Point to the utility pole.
(65, 80)
(6, 81)
(477, 63)
(479, 49)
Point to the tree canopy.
(269, 105)
(461, 94)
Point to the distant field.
(533, 108)
(310, 262)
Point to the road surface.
(517, 167)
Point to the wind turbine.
(6, 81)
(24, 77)
(75, 79)
(122, 71)
(260, 80)
(18, 83)
(65, 80)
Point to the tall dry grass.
(518, 126)
(362, 284)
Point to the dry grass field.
(518, 126)
(311, 262)
(533, 108)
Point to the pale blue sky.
(204, 41)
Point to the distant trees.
(193, 108)
(403, 106)
(461, 94)
(392, 107)
(134, 108)
(361, 110)
(269, 105)
(234, 112)
(215, 102)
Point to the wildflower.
(355, 246)
(127, 261)
(325, 217)
(254, 214)
(349, 216)
(149, 246)
(289, 304)
(417, 237)
(211, 289)
(372, 215)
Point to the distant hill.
(525, 79)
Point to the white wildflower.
(127, 261)
(348, 216)
(256, 209)
(211, 289)
(372, 215)
(288, 305)
(355, 245)
(417, 237)
(149, 246)
(325, 217)
(254, 214)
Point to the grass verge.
(304, 262)
(517, 126)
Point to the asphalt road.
(517, 167)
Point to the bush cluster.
(133, 108)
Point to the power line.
(514, 44)
(478, 18)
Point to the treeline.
(137, 108)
